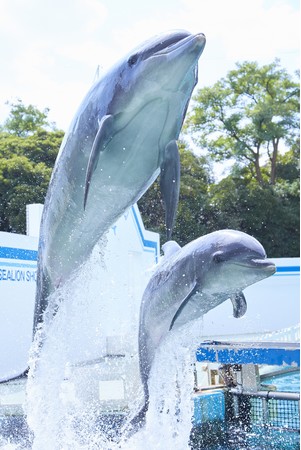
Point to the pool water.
(220, 436)
(234, 438)
(289, 382)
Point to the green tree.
(27, 155)
(24, 120)
(269, 213)
(247, 116)
(21, 182)
(41, 146)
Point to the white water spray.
(63, 408)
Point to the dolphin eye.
(132, 60)
(218, 257)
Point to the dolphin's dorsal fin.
(239, 304)
(170, 247)
(102, 138)
(170, 183)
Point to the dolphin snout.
(201, 37)
(271, 268)
(200, 40)
(264, 264)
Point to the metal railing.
(279, 410)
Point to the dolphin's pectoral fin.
(183, 304)
(239, 304)
(170, 183)
(102, 138)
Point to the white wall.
(18, 254)
(33, 219)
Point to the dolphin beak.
(201, 38)
(263, 264)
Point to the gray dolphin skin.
(193, 280)
(123, 135)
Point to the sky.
(50, 49)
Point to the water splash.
(168, 420)
(61, 424)
(56, 412)
(69, 358)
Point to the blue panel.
(18, 253)
(288, 269)
(209, 407)
(147, 243)
(270, 356)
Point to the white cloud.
(50, 50)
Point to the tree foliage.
(27, 156)
(247, 116)
(21, 182)
(252, 117)
(269, 212)
(25, 120)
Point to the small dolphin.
(123, 135)
(193, 280)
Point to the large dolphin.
(193, 280)
(122, 136)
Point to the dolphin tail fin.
(170, 184)
(136, 423)
(102, 138)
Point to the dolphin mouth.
(198, 39)
(261, 264)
